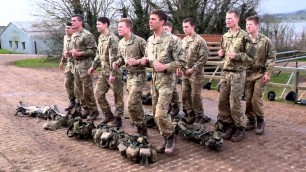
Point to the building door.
(35, 47)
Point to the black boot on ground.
(78, 107)
(108, 117)
(238, 135)
(142, 131)
(71, 105)
(93, 116)
(85, 112)
(251, 124)
(191, 118)
(228, 131)
(175, 109)
(260, 127)
(171, 144)
(161, 148)
(117, 122)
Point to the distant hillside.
(292, 16)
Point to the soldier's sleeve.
(91, 46)
(96, 62)
(113, 53)
(178, 55)
(63, 59)
(142, 47)
(271, 57)
(242, 55)
(150, 63)
(120, 57)
(203, 56)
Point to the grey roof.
(2, 28)
(29, 26)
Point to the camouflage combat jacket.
(263, 53)
(196, 52)
(236, 43)
(133, 48)
(166, 50)
(84, 41)
(107, 53)
(67, 46)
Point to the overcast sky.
(20, 10)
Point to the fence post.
(295, 80)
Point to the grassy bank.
(3, 51)
(37, 63)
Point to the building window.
(11, 45)
(23, 45)
(16, 44)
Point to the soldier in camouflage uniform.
(84, 48)
(232, 81)
(165, 54)
(132, 48)
(109, 78)
(69, 69)
(174, 105)
(196, 52)
(258, 73)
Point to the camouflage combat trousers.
(162, 90)
(231, 90)
(83, 83)
(254, 89)
(69, 81)
(135, 83)
(175, 97)
(102, 87)
(192, 89)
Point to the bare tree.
(54, 14)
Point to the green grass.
(302, 60)
(37, 63)
(3, 51)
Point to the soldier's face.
(167, 29)
(251, 26)
(69, 30)
(76, 23)
(101, 27)
(188, 29)
(155, 23)
(231, 20)
(123, 29)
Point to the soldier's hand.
(159, 67)
(231, 55)
(90, 70)
(132, 62)
(67, 54)
(179, 72)
(115, 65)
(221, 53)
(61, 65)
(111, 79)
(75, 53)
(143, 61)
(189, 72)
(265, 78)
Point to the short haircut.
(128, 22)
(255, 19)
(79, 17)
(68, 23)
(190, 21)
(169, 24)
(237, 14)
(104, 20)
(160, 13)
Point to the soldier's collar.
(236, 34)
(131, 40)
